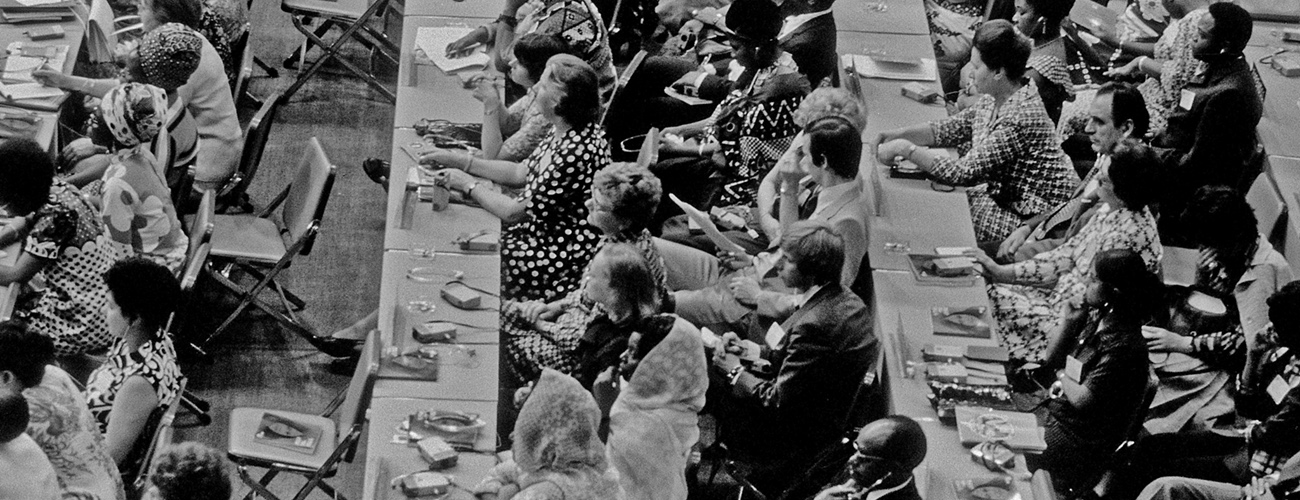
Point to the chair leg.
(270, 71)
(332, 53)
(258, 487)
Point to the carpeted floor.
(257, 363)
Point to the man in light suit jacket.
(829, 156)
(779, 422)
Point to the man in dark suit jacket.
(778, 422)
(1211, 133)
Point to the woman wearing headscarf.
(654, 421)
(557, 453)
(136, 203)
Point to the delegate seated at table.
(1211, 131)
(1092, 410)
(1014, 163)
(578, 22)
(64, 240)
(1029, 297)
(829, 155)
(884, 454)
(778, 422)
(1237, 270)
(1117, 114)
(1266, 395)
(206, 93)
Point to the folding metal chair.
(262, 247)
(156, 434)
(232, 193)
(337, 442)
(352, 16)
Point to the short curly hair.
(144, 290)
(831, 101)
(633, 192)
(1219, 217)
(24, 352)
(580, 104)
(26, 174)
(191, 471)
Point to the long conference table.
(906, 216)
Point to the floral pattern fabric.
(63, 427)
(155, 361)
(222, 23)
(138, 211)
(1013, 160)
(68, 303)
(1027, 311)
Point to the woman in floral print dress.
(1029, 297)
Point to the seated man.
(830, 156)
(885, 453)
(1211, 134)
(1117, 113)
(777, 422)
(1267, 391)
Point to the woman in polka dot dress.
(546, 242)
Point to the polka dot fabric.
(542, 258)
(170, 54)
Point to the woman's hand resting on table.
(444, 158)
(465, 45)
(453, 179)
(50, 77)
(890, 151)
(994, 272)
(1162, 340)
(534, 310)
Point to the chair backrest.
(304, 205)
(155, 435)
(1270, 207)
(239, 52)
(357, 401)
(200, 241)
(255, 138)
(623, 79)
(181, 186)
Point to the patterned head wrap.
(134, 112)
(169, 55)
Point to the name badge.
(1187, 98)
(1074, 369)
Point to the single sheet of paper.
(922, 69)
(21, 91)
(706, 224)
(433, 40)
(1074, 369)
(693, 101)
(34, 3)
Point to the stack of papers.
(433, 42)
(24, 58)
(23, 91)
(893, 68)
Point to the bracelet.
(470, 188)
(910, 151)
(470, 164)
(735, 374)
(700, 152)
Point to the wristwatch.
(470, 188)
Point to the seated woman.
(1012, 158)
(1090, 412)
(1203, 345)
(512, 133)
(189, 471)
(60, 421)
(1030, 297)
(654, 397)
(222, 23)
(63, 239)
(141, 372)
(172, 51)
(579, 334)
(577, 22)
(546, 241)
(1040, 20)
(28, 473)
(135, 202)
(728, 153)
(557, 453)
(1164, 72)
(206, 93)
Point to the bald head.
(896, 439)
